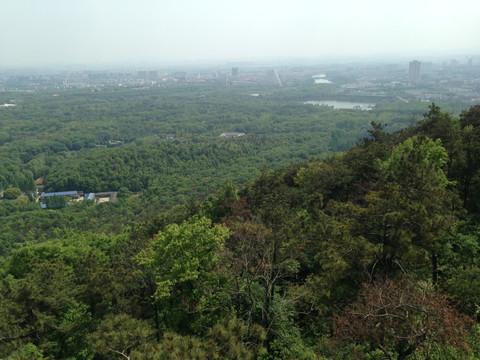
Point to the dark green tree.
(468, 172)
(11, 193)
(118, 336)
(55, 202)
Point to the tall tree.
(416, 202)
(469, 169)
(411, 209)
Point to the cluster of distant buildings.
(418, 68)
(452, 79)
(33, 80)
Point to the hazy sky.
(51, 32)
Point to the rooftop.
(232, 134)
(60, 193)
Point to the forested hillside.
(369, 253)
(159, 147)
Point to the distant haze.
(59, 32)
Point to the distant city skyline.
(57, 32)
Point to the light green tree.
(183, 253)
(179, 261)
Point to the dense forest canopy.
(184, 124)
(160, 147)
(319, 234)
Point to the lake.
(342, 104)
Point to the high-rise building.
(414, 72)
(153, 75)
(426, 67)
(142, 75)
(234, 72)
